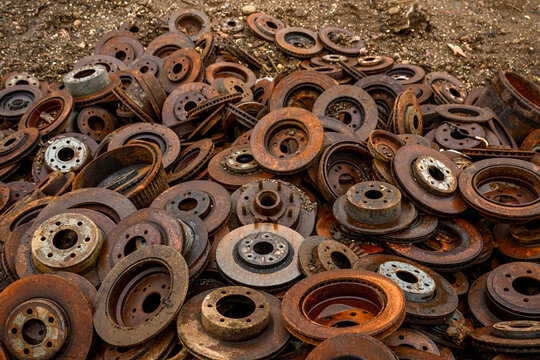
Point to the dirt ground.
(45, 37)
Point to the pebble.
(248, 9)
(393, 10)
(77, 23)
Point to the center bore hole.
(344, 323)
(532, 225)
(244, 159)
(96, 123)
(144, 69)
(416, 121)
(34, 331)
(436, 173)
(346, 118)
(373, 194)
(238, 88)
(455, 92)
(22, 82)
(271, 25)
(263, 248)
(289, 146)
(268, 198)
(459, 135)
(84, 73)
(64, 239)
(121, 55)
(66, 154)
(407, 277)
(231, 23)
(177, 68)
(190, 105)
(9, 142)
(235, 306)
(526, 286)
(151, 303)
(187, 204)
(340, 260)
(134, 244)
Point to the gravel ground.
(45, 38)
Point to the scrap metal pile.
(163, 202)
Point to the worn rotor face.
(221, 70)
(300, 89)
(96, 122)
(167, 43)
(15, 100)
(503, 189)
(343, 301)
(456, 135)
(141, 295)
(46, 317)
(383, 145)
(286, 140)
(384, 90)
(406, 116)
(351, 346)
(430, 298)
(190, 161)
(374, 64)
(340, 41)
(264, 26)
(412, 339)
(514, 337)
(447, 93)
(191, 22)
(464, 113)
(342, 165)
(138, 230)
(205, 199)
(124, 47)
(519, 242)
(319, 253)
(236, 166)
(455, 245)
(232, 321)
(406, 74)
(350, 105)
(262, 256)
(181, 67)
(49, 114)
(147, 63)
(110, 203)
(18, 145)
(422, 92)
(513, 287)
(422, 228)
(275, 201)
(373, 207)
(158, 134)
(298, 42)
(429, 179)
(182, 100)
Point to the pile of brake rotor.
(164, 202)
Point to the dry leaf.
(457, 50)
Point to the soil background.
(46, 37)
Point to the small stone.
(279, 67)
(393, 10)
(248, 9)
(77, 23)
